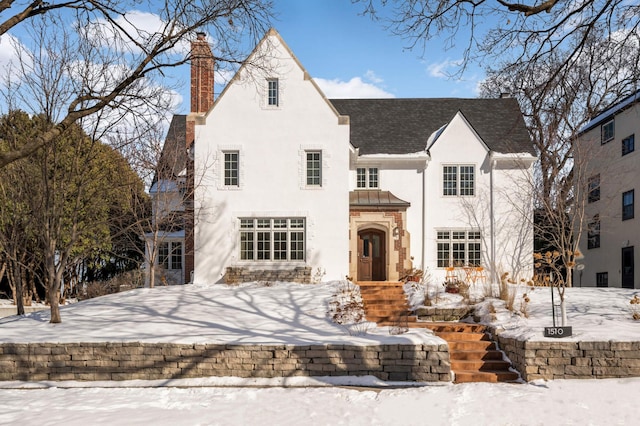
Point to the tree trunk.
(19, 292)
(55, 306)
(563, 312)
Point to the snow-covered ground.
(297, 314)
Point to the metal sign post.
(555, 331)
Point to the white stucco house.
(607, 152)
(288, 184)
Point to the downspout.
(424, 215)
(492, 222)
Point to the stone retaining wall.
(572, 360)
(236, 275)
(130, 361)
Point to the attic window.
(272, 92)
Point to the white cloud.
(139, 25)
(354, 88)
(372, 77)
(440, 69)
(10, 48)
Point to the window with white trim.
(458, 180)
(458, 248)
(170, 255)
(273, 95)
(272, 239)
(231, 168)
(314, 168)
(608, 131)
(367, 177)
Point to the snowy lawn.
(297, 314)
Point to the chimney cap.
(201, 35)
(505, 95)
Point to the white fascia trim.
(418, 158)
(523, 158)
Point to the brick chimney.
(201, 75)
(201, 102)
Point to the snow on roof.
(609, 112)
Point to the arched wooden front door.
(371, 255)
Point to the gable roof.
(403, 126)
(173, 158)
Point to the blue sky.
(334, 41)
(350, 55)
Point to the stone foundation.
(236, 275)
(144, 361)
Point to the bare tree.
(510, 32)
(111, 54)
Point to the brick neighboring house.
(291, 185)
(611, 234)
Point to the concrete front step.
(480, 365)
(461, 336)
(471, 345)
(475, 355)
(485, 376)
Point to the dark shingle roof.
(403, 126)
(173, 158)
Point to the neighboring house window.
(367, 177)
(593, 233)
(272, 92)
(594, 189)
(458, 180)
(602, 279)
(314, 168)
(608, 131)
(272, 239)
(170, 255)
(627, 205)
(458, 248)
(628, 144)
(231, 168)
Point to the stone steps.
(473, 355)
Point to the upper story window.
(628, 144)
(273, 94)
(272, 239)
(627, 205)
(458, 248)
(458, 180)
(608, 131)
(367, 177)
(314, 168)
(593, 233)
(594, 189)
(170, 255)
(231, 168)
